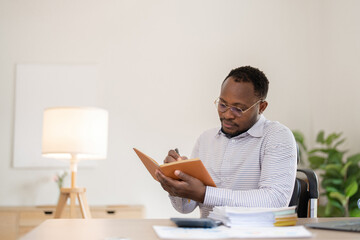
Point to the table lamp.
(74, 134)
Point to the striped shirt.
(254, 169)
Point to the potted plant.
(339, 174)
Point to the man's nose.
(228, 114)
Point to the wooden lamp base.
(73, 193)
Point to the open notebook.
(192, 167)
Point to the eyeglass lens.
(222, 107)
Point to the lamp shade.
(75, 131)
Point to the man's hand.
(186, 187)
(173, 156)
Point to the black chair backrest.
(304, 190)
(300, 198)
(296, 193)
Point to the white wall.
(161, 64)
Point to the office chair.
(306, 193)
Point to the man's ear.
(263, 106)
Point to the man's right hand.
(173, 156)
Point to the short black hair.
(253, 75)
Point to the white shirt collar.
(257, 130)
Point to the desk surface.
(138, 229)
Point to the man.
(252, 160)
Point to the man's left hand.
(187, 187)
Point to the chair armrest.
(313, 182)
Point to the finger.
(168, 184)
(169, 159)
(183, 176)
(169, 181)
(164, 179)
(158, 174)
(167, 188)
(161, 178)
(174, 155)
(193, 188)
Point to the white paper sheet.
(165, 232)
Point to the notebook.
(192, 167)
(351, 225)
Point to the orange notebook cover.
(192, 167)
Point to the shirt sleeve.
(183, 205)
(276, 184)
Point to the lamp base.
(73, 193)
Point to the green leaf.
(321, 211)
(336, 167)
(339, 143)
(336, 204)
(349, 180)
(332, 181)
(333, 208)
(316, 161)
(317, 150)
(345, 168)
(354, 158)
(299, 137)
(335, 157)
(328, 209)
(320, 137)
(331, 189)
(351, 189)
(354, 170)
(353, 200)
(354, 212)
(332, 171)
(329, 140)
(338, 196)
(325, 151)
(332, 174)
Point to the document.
(264, 217)
(222, 232)
(192, 167)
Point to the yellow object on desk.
(286, 220)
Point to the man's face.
(241, 95)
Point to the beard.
(229, 128)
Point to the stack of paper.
(261, 217)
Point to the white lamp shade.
(75, 131)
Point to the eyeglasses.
(238, 112)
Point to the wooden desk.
(17, 221)
(137, 229)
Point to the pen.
(177, 151)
